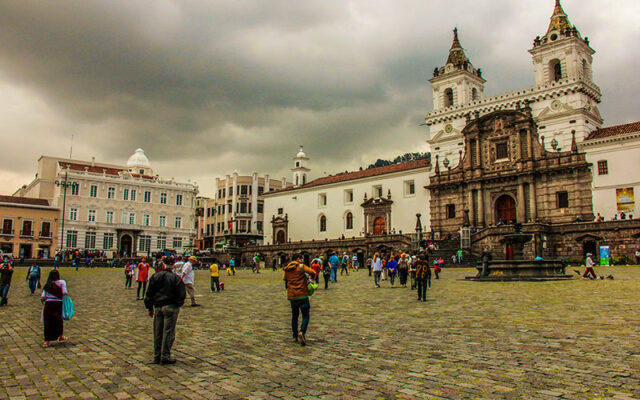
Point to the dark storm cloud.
(206, 87)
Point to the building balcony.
(45, 235)
(7, 232)
(26, 233)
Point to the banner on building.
(625, 199)
(604, 256)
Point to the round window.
(554, 37)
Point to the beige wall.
(37, 240)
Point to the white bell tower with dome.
(139, 164)
(300, 170)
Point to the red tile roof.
(366, 173)
(98, 169)
(24, 200)
(614, 130)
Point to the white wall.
(303, 209)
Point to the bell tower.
(300, 170)
(458, 82)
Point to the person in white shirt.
(589, 272)
(187, 278)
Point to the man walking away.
(423, 276)
(6, 272)
(589, 272)
(344, 267)
(164, 298)
(326, 274)
(215, 277)
(298, 296)
(187, 278)
(334, 262)
(33, 276)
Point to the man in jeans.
(163, 299)
(298, 295)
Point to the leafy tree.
(400, 159)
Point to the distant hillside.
(400, 159)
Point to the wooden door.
(379, 226)
(505, 209)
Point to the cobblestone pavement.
(551, 340)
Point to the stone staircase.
(446, 248)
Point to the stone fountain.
(518, 269)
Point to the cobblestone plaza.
(551, 340)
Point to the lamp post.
(65, 184)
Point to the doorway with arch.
(505, 209)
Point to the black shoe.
(302, 339)
(195, 305)
(419, 299)
(168, 361)
(295, 338)
(156, 360)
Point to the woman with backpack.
(52, 294)
(403, 269)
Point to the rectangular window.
(93, 192)
(177, 243)
(162, 242)
(178, 199)
(90, 240)
(243, 207)
(243, 189)
(163, 198)
(259, 226)
(75, 188)
(231, 191)
(502, 150)
(224, 192)
(322, 200)
(603, 167)
(26, 228)
(132, 218)
(7, 227)
(243, 226)
(409, 188)
(147, 196)
(348, 196)
(73, 214)
(260, 190)
(125, 194)
(133, 195)
(91, 216)
(280, 211)
(260, 208)
(562, 199)
(146, 220)
(107, 241)
(377, 191)
(72, 239)
(178, 223)
(162, 221)
(109, 217)
(111, 193)
(451, 210)
(144, 243)
(45, 229)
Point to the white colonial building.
(352, 204)
(116, 208)
(615, 155)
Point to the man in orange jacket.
(298, 295)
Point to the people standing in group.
(164, 298)
(33, 277)
(344, 264)
(298, 296)
(334, 261)
(53, 292)
(6, 273)
(188, 279)
(589, 272)
(129, 270)
(392, 268)
(403, 269)
(423, 276)
(376, 267)
(142, 277)
(215, 277)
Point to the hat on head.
(193, 258)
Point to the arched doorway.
(378, 226)
(589, 246)
(505, 209)
(280, 238)
(126, 244)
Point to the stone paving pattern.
(552, 340)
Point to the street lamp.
(65, 184)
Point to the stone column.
(534, 207)
(520, 203)
(254, 203)
(481, 217)
(266, 183)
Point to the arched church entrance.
(378, 226)
(280, 238)
(505, 209)
(126, 244)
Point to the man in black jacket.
(164, 298)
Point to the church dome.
(301, 154)
(138, 159)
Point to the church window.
(474, 94)
(349, 221)
(323, 223)
(556, 70)
(448, 97)
(304, 179)
(562, 199)
(280, 211)
(502, 150)
(297, 164)
(348, 196)
(409, 188)
(297, 180)
(322, 200)
(451, 211)
(603, 167)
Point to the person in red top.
(315, 265)
(142, 277)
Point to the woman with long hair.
(52, 293)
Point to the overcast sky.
(206, 87)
